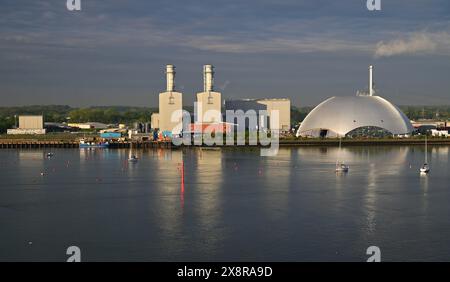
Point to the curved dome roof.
(344, 114)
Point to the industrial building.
(29, 124)
(283, 106)
(58, 127)
(338, 116)
(154, 121)
(88, 125)
(246, 109)
(170, 102)
(209, 101)
(440, 132)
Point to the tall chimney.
(208, 78)
(170, 76)
(371, 80)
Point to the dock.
(37, 144)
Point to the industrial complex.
(208, 109)
(364, 114)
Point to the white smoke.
(416, 43)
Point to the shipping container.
(111, 135)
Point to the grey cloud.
(274, 45)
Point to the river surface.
(234, 205)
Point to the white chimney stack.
(371, 90)
(170, 76)
(208, 78)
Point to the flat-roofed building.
(89, 125)
(246, 114)
(283, 106)
(29, 124)
(154, 123)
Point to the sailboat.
(132, 158)
(341, 166)
(425, 167)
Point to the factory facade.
(268, 113)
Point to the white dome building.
(337, 116)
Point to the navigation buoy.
(182, 177)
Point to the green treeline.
(426, 112)
(128, 115)
(110, 115)
(58, 113)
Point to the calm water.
(235, 205)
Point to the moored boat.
(425, 168)
(93, 144)
(341, 166)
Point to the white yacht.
(425, 167)
(341, 166)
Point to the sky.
(114, 52)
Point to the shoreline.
(365, 142)
(55, 143)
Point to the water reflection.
(234, 204)
(275, 172)
(207, 182)
(371, 198)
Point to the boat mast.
(426, 150)
(339, 152)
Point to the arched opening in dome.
(369, 131)
(319, 132)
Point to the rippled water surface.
(234, 205)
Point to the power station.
(208, 107)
